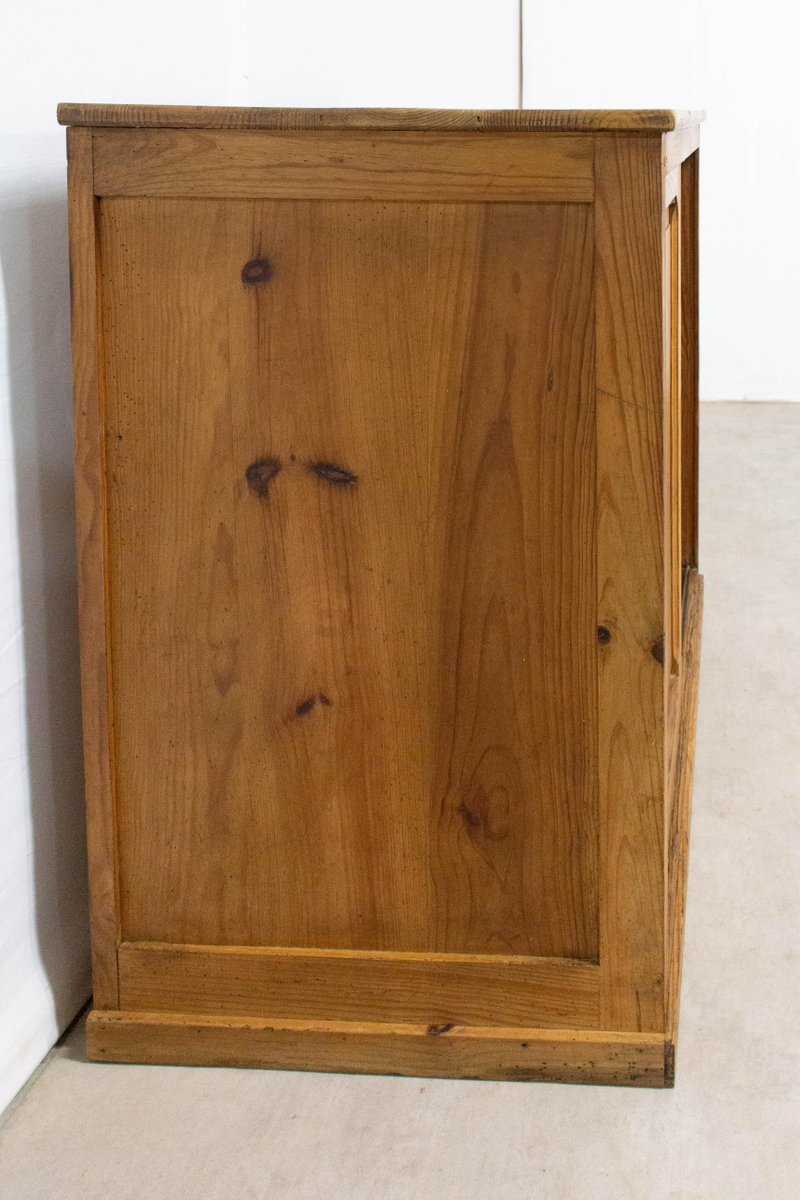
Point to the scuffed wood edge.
(92, 577)
(153, 116)
(682, 776)
(460, 1052)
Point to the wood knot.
(333, 473)
(603, 635)
(257, 270)
(260, 474)
(469, 817)
(306, 706)
(438, 1030)
(657, 649)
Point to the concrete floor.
(731, 1127)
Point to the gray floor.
(731, 1127)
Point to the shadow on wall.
(33, 253)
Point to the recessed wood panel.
(351, 573)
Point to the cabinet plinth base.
(466, 1052)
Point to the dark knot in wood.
(257, 270)
(260, 474)
(333, 473)
(603, 635)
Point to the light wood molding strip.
(249, 981)
(679, 144)
(154, 116)
(520, 1054)
(346, 166)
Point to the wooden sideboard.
(386, 472)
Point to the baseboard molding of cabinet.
(461, 1052)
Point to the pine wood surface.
(152, 116)
(630, 582)
(519, 1054)
(370, 701)
(444, 989)
(91, 515)
(348, 165)
(386, 487)
(682, 765)
(690, 357)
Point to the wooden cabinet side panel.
(321, 692)
(92, 580)
(630, 556)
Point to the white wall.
(437, 53)
(738, 61)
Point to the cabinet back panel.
(352, 587)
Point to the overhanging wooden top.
(494, 120)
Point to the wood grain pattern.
(690, 358)
(442, 989)
(630, 566)
(386, 478)
(90, 504)
(515, 739)
(365, 707)
(681, 774)
(153, 116)
(347, 166)
(680, 144)
(673, 430)
(524, 1055)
